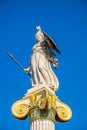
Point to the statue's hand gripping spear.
(27, 70)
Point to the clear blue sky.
(66, 22)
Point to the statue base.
(41, 105)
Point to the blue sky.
(66, 22)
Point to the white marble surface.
(42, 124)
(37, 90)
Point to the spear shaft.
(11, 56)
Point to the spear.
(12, 57)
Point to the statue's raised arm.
(40, 69)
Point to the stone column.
(42, 124)
(43, 107)
(42, 119)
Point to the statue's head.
(39, 35)
(38, 28)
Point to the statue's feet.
(51, 86)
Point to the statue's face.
(39, 37)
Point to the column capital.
(39, 103)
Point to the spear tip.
(10, 55)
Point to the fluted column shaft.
(42, 124)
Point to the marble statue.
(41, 60)
(40, 103)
